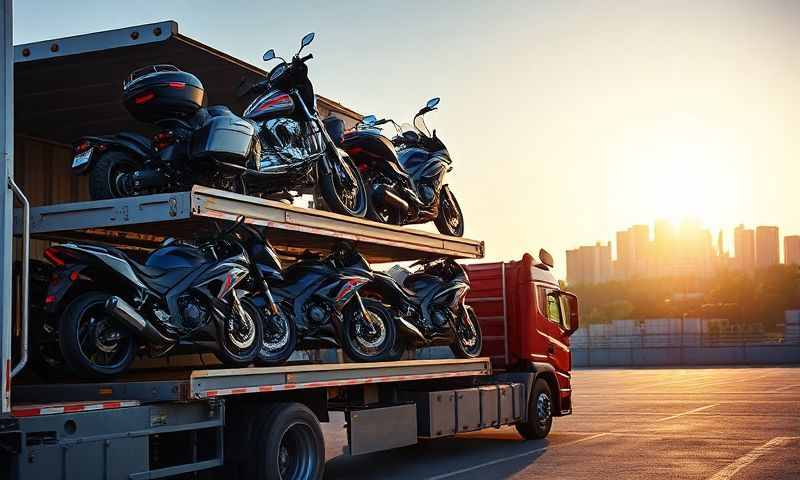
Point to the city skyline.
(686, 248)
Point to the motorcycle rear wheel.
(94, 344)
(338, 196)
(106, 177)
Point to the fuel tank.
(273, 104)
(176, 256)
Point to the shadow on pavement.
(432, 458)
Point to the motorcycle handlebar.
(306, 58)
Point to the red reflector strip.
(144, 98)
(50, 299)
(177, 85)
(36, 410)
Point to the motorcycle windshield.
(421, 127)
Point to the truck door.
(553, 330)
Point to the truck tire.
(540, 412)
(288, 444)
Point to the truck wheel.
(108, 177)
(288, 444)
(540, 412)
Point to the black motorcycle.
(321, 296)
(405, 175)
(428, 306)
(180, 297)
(280, 149)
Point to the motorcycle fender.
(62, 287)
(137, 144)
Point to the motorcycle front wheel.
(343, 190)
(278, 339)
(240, 344)
(450, 220)
(368, 339)
(469, 338)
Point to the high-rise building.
(791, 250)
(767, 246)
(744, 247)
(589, 265)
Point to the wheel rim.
(276, 334)
(296, 455)
(543, 410)
(101, 341)
(241, 331)
(451, 212)
(347, 190)
(468, 335)
(369, 334)
(119, 178)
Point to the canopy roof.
(69, 87)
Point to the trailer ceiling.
(71, 87)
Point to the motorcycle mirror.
(306, 40)
(432, 103)
(268, 55)
(369, 120)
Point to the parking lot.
(718, 423)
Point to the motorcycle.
(405, 175)
(321, 296)
(182, 296)
(428, 306)
(279, 148)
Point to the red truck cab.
(526, 319)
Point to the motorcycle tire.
(450, 220)
(235, 356)
(363, 349)
(331, 190)
(277, 350)
(83, 318)
(104, 177)
(464, 347)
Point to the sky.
(566, 121)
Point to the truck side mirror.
(574, 314)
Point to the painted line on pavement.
(750, 457)
(513, 457)
(699, 409)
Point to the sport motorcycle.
(428, 306)
(320, 294)
(279, 148)
(405, 175)
(108, 305)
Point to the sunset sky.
(566, 121)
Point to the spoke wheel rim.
(100, 340)
(369, 341)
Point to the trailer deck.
(187, 384)
(146, 220)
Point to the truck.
(186, 417)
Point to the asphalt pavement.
(699, 423)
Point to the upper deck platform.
(146, 220)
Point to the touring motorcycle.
(321, 297)
(182, 296)
(279, 148)
(405, 175)
(428, 306)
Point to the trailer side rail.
(145, 220)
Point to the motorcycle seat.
(159, 279)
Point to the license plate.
(82, 158)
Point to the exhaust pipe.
(125, 313)
(388, 197)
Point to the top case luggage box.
(161, 92)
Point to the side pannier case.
(161, 92)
